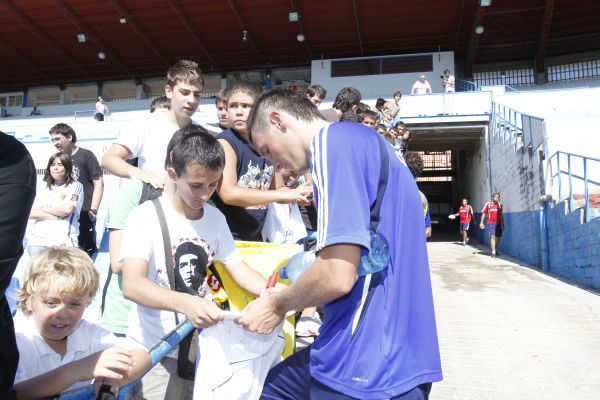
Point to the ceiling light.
(81, 37)
(102, 55)
(122, 20)
(293, 16)
(245, 37)
(479, 29)
(300, 37)
(485, 3)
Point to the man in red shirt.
(493, 211)
(465, 212)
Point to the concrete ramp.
(509, 332)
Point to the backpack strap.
(167, 247)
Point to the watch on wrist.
(94, 211)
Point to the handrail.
(571, 176)
(463, 85)
(507, 119)
(157, 352)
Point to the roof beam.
(92, 35)
(10, 49)
(245, 28)
(358, 30)
(190, 27)
(42, 36)
(459, 23)
(131, 21)
(544, 35)
(474, 41)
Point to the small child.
(58, 350)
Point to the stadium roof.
(140, 38)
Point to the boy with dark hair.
(221, 105)
(87, 171)
(369, 118)
(197, 162)
(160, 103)
(391, 108)
(347, 100)
(316, 94)
(148, 140)
(361, 351)
(414, 162)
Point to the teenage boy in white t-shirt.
(148, 139)
(199, 235)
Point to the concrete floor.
(508, 331)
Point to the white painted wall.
(381, 85)
(572, 117)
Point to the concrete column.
(139, 92)
(541, 78)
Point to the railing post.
(585, 188)
(570, 183)
(559, 172)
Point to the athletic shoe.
(464, 243)
(494, 254)
(467, 240)
(308, 326)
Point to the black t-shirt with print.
(255, 172)
(85, 169)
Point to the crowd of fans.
(167, 162)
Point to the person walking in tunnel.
(465, 213)
(493, 211)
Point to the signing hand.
(260, 316)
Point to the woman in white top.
(56, 208)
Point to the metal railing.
(160, 350)
(579, 171)
(466, 86)
(517, 129)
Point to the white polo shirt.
(36, 356)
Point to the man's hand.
(481, 226)
(261, 315)
(150, 177)
(200, 312)
(92, 216)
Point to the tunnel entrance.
(448, 145)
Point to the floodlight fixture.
(122, 20)
(81, 37)
(293, 16)
(485, 3)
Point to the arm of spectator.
(114, 249)
(118, 365)
(331, 114)
(41, 215)
(137, 287)
(61, 211)
(96, 195)
(247, 278)
(235, 195)
(114, 161)
(333, 275)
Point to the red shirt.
(493, 212)
(466, 213)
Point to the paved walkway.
(510, 332)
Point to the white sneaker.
(308, 326)
(467, 241)
(464, 243)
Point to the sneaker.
(494, 254)
(464, 243)
(467, 241)
(308, 326)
